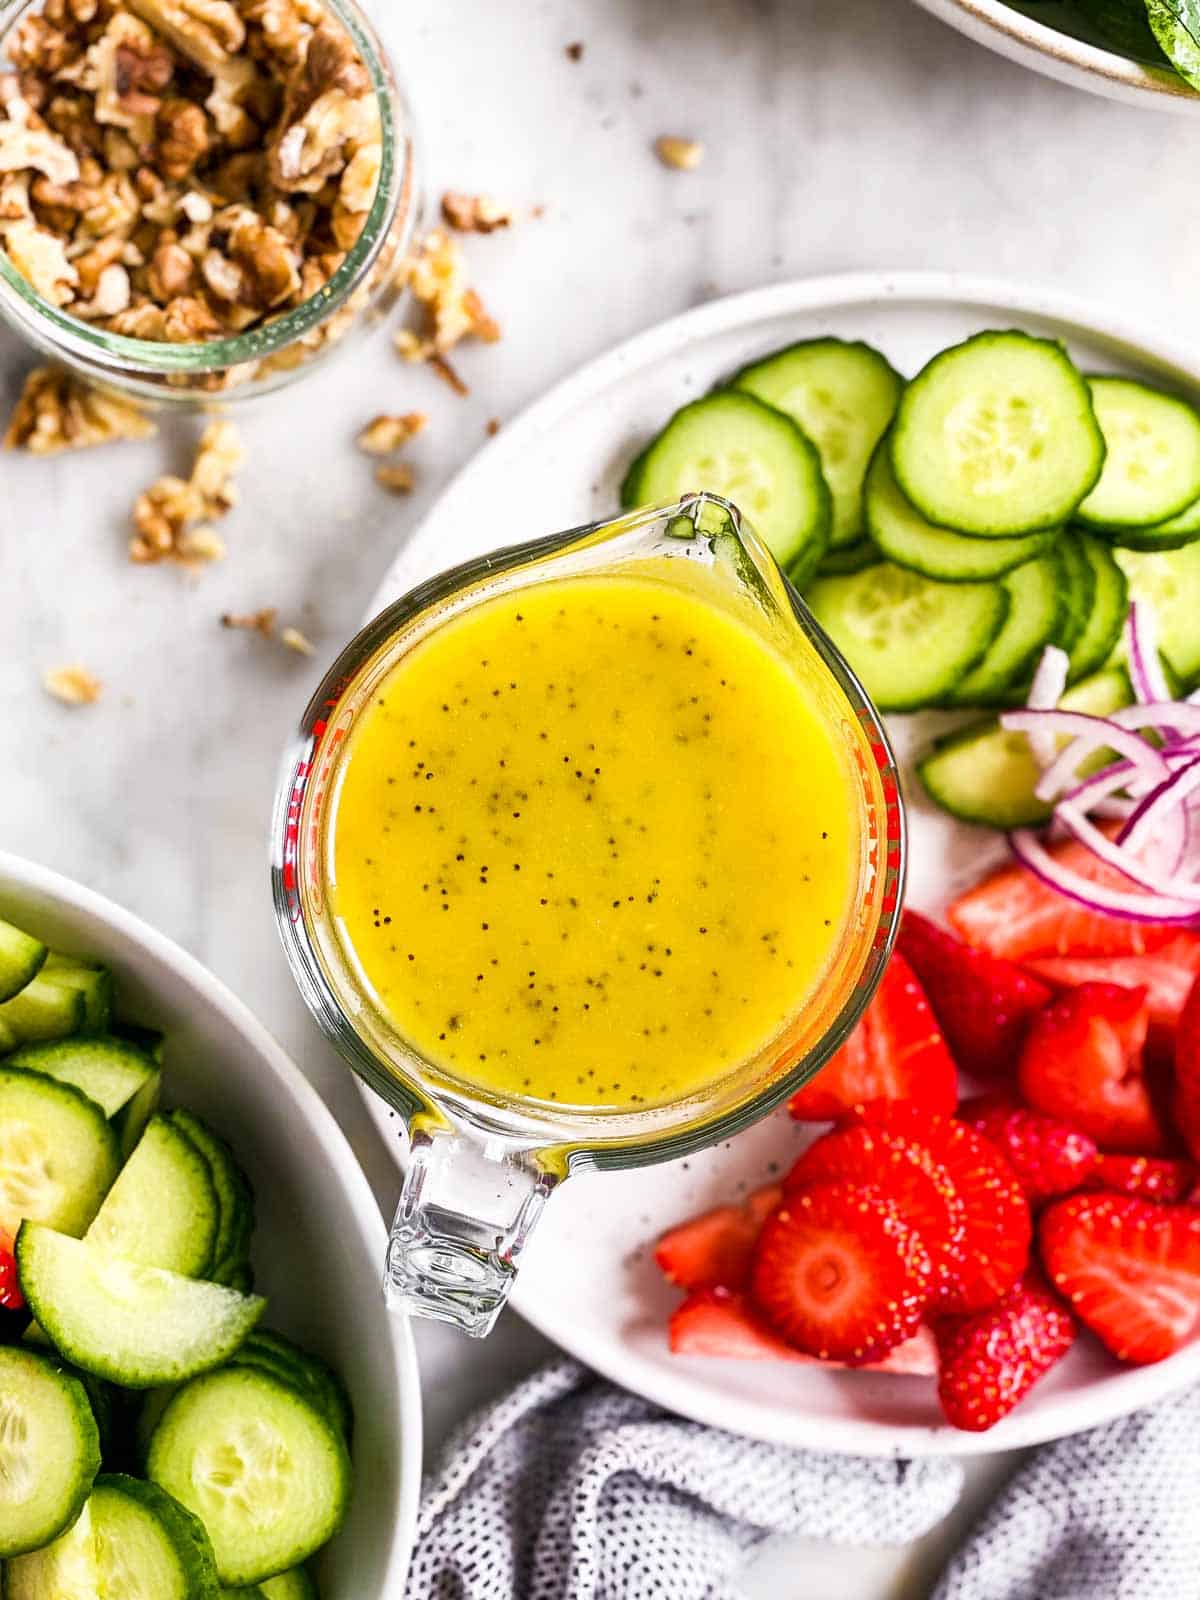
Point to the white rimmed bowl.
(1036, 42)
(320, 1240)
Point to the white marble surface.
(848, 135)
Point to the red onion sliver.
(1046, 690)
(1145, 664)
(1167, 714)
(1158, 806)
(1086, 734)
(1028, 849)
(1124, 861)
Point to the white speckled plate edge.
(588, 1282)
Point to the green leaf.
(1176, 25)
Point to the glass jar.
(281, 348)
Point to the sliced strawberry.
(989, 1360)
(1083, 1062)
(714, 1250)
(716, 1322)
(1015, 915)
(903, 1170)
(896, 1052)
(1166, 974)
(996, 1224)
(11, 1298)
(1049, 1157)
(840, 1274)
(1187, 1072)
(1149, 1177)
(1129, 1268)
(982, 1004)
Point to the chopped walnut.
(171, 517)
(384, 435)
(260, 621)
(395, 476)
(182, 132)
(207, 32)
(59, 412)
(293, 639)
(437, 277)
(41, 256)
(74, 686)
(26, 143)
(474, 213)
(684, 155)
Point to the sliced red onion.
(1046, 690)
(1163, 809)
(1145, 664)
(1030, 851)
(1136, 870)
(1086, 734)
(1168, 715)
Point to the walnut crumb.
(385, 434)
(492, 427)
(395, 476)
(74, 686)
(474, 213)
(684, 155)
(171, 518)
(293, 639)
(574, 51)
(57, 411)
(451, 309)
(261, 621)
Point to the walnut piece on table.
(684, 155)
(474, 213)
(451, 310)
(73, 685)
(57, 411)
(260, 621)
(386, 434)
(395, 476)
(171, 518)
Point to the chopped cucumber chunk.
(21, 958)
(1152, 465)
(49, 1450)
(92, 980)
(1168, 581)
(1106, 618)
(312, 1376)
(148, 1546)
(64, 1570)
(41, 1010)
(235, 1198)
(997, 436)
(162, 1211)
(122, 1080)
(1079, 590)
(1035, 610)
(58, 1153)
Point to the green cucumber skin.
(182, 1527)
(983, 689)
(21, 959)
(1110, 522)
(1110, 604)
(236, 1198)
(89, 1437)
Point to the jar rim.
(396, 185)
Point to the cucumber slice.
(843, 396)
(42, 1010)
(122, 1080)
(49, 1450)
(1036, 605)
(312, 1376)
(1152, 465)
(1110, 604)
(1079, 590)
(58, 1154)
(1176, 28)
(93, 981)
(735, 446)
(904, 536)
(294, 1585)
(148, 1546)
(986, 775)
(64, 1570)
(850, 557)
(21, 958)
(235, 1198)
(258, 1464)
(1169, 582)
(997, 436)
(1169, 535)
(137, 1326)
(162, 1211)
(910, 640)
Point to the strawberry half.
(1149, 1177)
(1014, 915)
(903, 1170)
(989, 1360)
(982, 1004)
(716, 1322)
(1167, 975)
(1083, 1062)
(1129, 1268)
(896, 1052)
(996, 1224)
(840, 1274)
(1187, 1072)
(1049, 1157)
(715, 1250)
(11, 1298)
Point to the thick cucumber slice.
(1079, 590)
(235, 1198)
(64, 1570)
(297, 1584)
(258, 1464)
(843, 396)
(1152, 466)
(909, 639)
(313, 1377)
(997, 436)
(1036, 604)
(137, 1326)
(1169, 582)
(1169, 535)
(93, 981)
(162, 1211)
(905, 537)
(986, 775)
(42, 1010)
(49, 1450)
(850, 557)
(122, 1080)
(58, 1153)
(21, 958)
(148, 1546)
(734, 445)
(1109, 606)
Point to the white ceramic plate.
(588, 1281)
(1032, 39)
(320, 1240)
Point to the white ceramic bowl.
(1035, 42)
(320, 1238)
